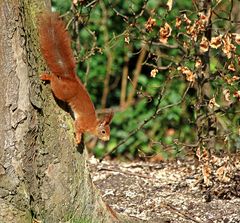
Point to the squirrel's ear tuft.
(106, 120)
(109, 117)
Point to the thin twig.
(180, 213)
(136, 75)
(120, 14)
(129, 135)
(91, 3)
(153, 116)
(158, 67)
(109, 55)
(142, 10)
(175, 104)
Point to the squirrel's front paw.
(78, 138)
(77, 141)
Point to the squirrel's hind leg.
(78, 131)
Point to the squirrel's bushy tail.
(55, 45)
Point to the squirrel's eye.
(103, 132)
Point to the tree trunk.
(43, 175)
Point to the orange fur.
(56, 45)
(66, 86)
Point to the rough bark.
(42, 173)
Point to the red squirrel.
(55, 45)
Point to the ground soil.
(176, 191)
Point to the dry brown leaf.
(204, 45)
(231, 67)
(169, 4)
(236, 94)
(178, 22)
(235, 78)
(75, 2)
(165, 33)
(221, 173)
(198, 63)
(228, 48)
(227, 95)
(190, 76)
(154, 72)
(206, 171)
(127, 39)
(212, 103)
(216, 42)
(232, 79)
(201, 23)
(192, 31)
(186, 19)
(150, 24)
(198, 153)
